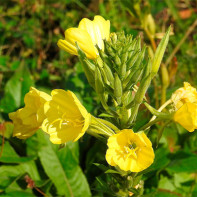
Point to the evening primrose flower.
(28, 120)
(130, 151)
(66, 118)
(87, 35)
(185, 102)
(186, 116)
(186, 94)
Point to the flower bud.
(117, 88)
(159, 53)
(99, 86)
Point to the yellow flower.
(67, 119)
(27, 120)
(186, 94)
(130, 151)
(87, 35)
(186, 116)
(185, 102)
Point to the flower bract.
(130, 151)
(66, 118)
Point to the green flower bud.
(117, 61)
(99, 86)
(132, 60)
(117, 88)
(108, 49)
(159, 53)
(108, 73)
(123, 70)
(140, 58)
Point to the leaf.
(10, 156)
(101, 166)
(183, 162)
(27, 82)
(62, 168)
(18, 193)
(12, 97)
(15, 89)
(110, 171)
(9, 174)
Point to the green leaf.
(110, 171)
(10, 156)
(159, 53)
(165, 194)
(15, 89)
(12, 97)
(101, 166)
(62, 168)
(18, 193)
(194, 193)
(183, 162)
(27, 82)
(9, 174)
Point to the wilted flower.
(66, 118)
(186, 94)
(87, 35)
(28, 120)
(130, 151)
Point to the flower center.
(130, 150)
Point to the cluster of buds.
(118, 69)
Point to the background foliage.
(29, 56)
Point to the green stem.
(149, 124)
(162, 107)
(124, 117)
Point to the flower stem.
(162, 107)
(149, 124)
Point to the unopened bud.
(150, 24)
(113, 37)
(108, 73)
(99, 86)
(159, 53)
(117, 60)
(117, 88)
(164, 76)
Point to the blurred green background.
(29, 56)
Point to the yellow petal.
(82, 38)
(187, 116)
(104, 26)
(130, 151)
(28, 120)
(66, 118)
(93, 30)
(186, 94)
